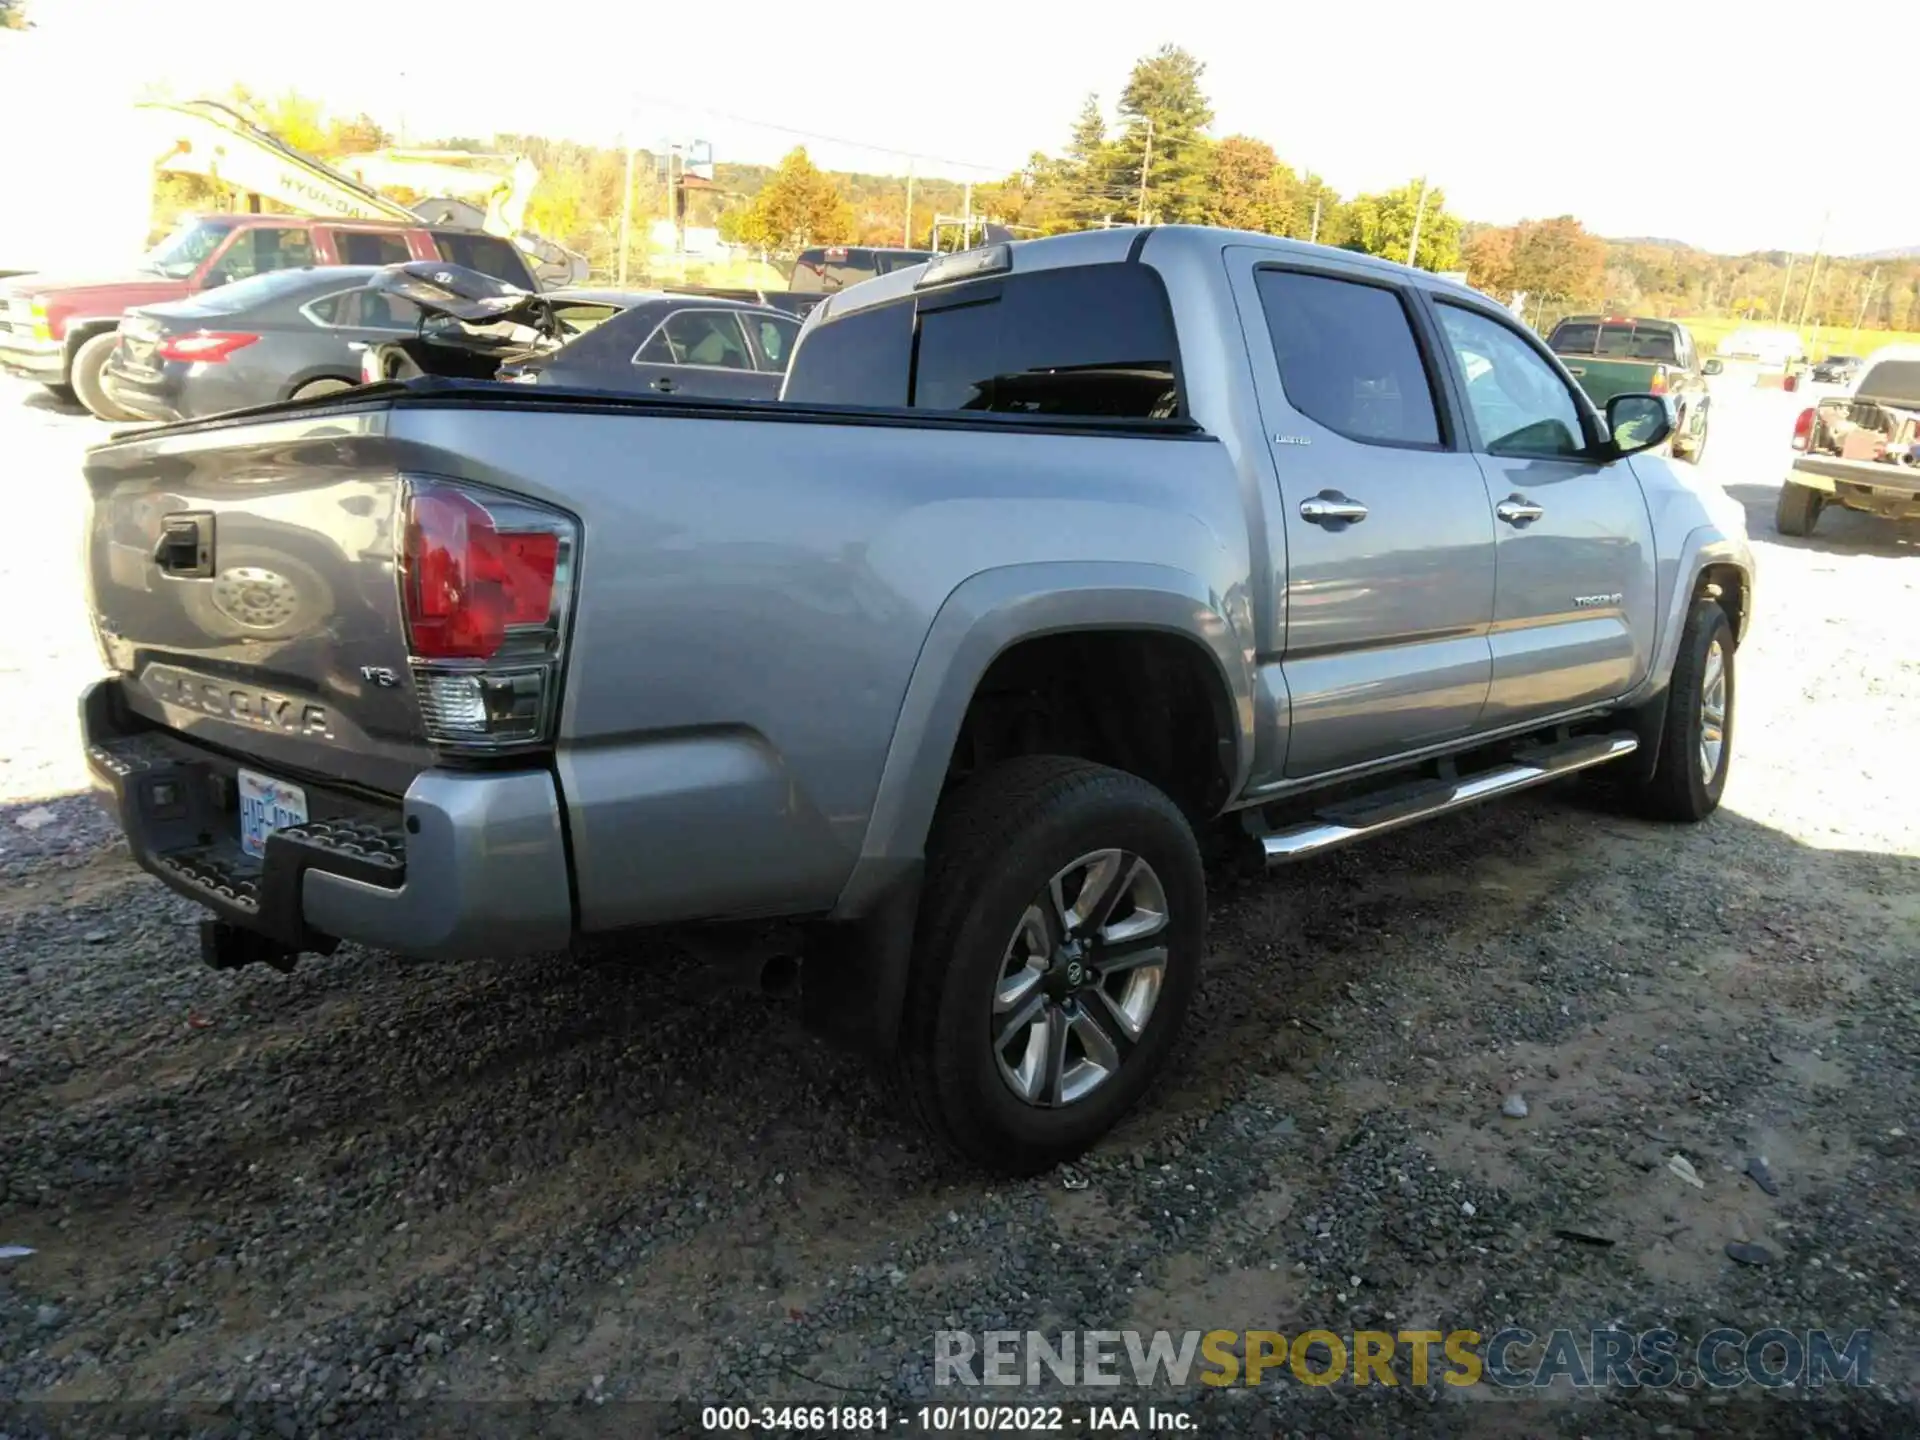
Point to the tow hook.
(225, 946)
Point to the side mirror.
(1713, 366)
(1638, 422)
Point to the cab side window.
(1519, 405)
(260, 249)
(1348, 358)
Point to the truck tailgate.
(243, 582)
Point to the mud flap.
(853, 976)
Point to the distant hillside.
(1910, 252)
(1650, 240)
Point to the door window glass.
(1348, 358)
(372, 247)
(709, 338)
(258, 250)
(1519, 404)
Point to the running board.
(1375, 815)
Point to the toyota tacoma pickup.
(1620, 355)
(1859, 451)
(1053, 561)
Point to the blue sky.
(1692, 120)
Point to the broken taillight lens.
(485, 583)
(1803, 430)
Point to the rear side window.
(711, 339)
(488, 254)
(1576, 337)
(366, 310)
(863, 359)
(1095, 341)
(372, 247)
(1348, 358)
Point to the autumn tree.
(1249, 189)
(1558, 260)
(800, 206)
(1487, 254)
(1164, 115)
(13, 15)
(1383, 225)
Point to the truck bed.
(734, 555)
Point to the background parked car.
(59, 330)
(1838, 369)
(631, 341)
(676, 345)
(277, 336)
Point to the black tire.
(89, 385)
(997, 844)
(1679, 788)
(64, 394)
(313, 389)
(1797, 510)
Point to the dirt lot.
(616, 1180)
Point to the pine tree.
(1166, 114)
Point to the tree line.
(1156, 160)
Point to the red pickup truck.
(60, 330)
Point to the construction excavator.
(207, 138)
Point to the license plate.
(267, 805)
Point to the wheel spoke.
(1148, 914)
(1099, 891)
(1104, 1049)
(1020, 1019)
(1116, 959)
(1056, 1055)
(1116, 1021)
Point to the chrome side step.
(1369, 816)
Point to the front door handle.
(1518, 510)
(1330, 507)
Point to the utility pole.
(1785, 285)
(966, 231)
(1419, 212)
(1146, 159)
(906, 236)
(1818, 250)
(1313, 235)
(1861, 318)
(626, 218)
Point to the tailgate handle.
(185, 551)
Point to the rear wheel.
(89, 381)
(1798, 509)
(313, 389)
(64, 394)
(1696, 738)
(1060, 942)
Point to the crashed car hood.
(457, 293)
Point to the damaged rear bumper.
(463, 864)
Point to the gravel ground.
(589, 1182)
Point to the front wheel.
(89, 378)
(1696, 737)
(1060, 943)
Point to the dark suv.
(61, 331)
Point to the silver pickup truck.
(1054, 560)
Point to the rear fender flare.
(984, 617)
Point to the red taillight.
(1803, 430)
(468, 582)
(204, 346)
(1659, 385)
(486, 581)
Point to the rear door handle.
(1518, 510)
(1330, 507)
(665, 385)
